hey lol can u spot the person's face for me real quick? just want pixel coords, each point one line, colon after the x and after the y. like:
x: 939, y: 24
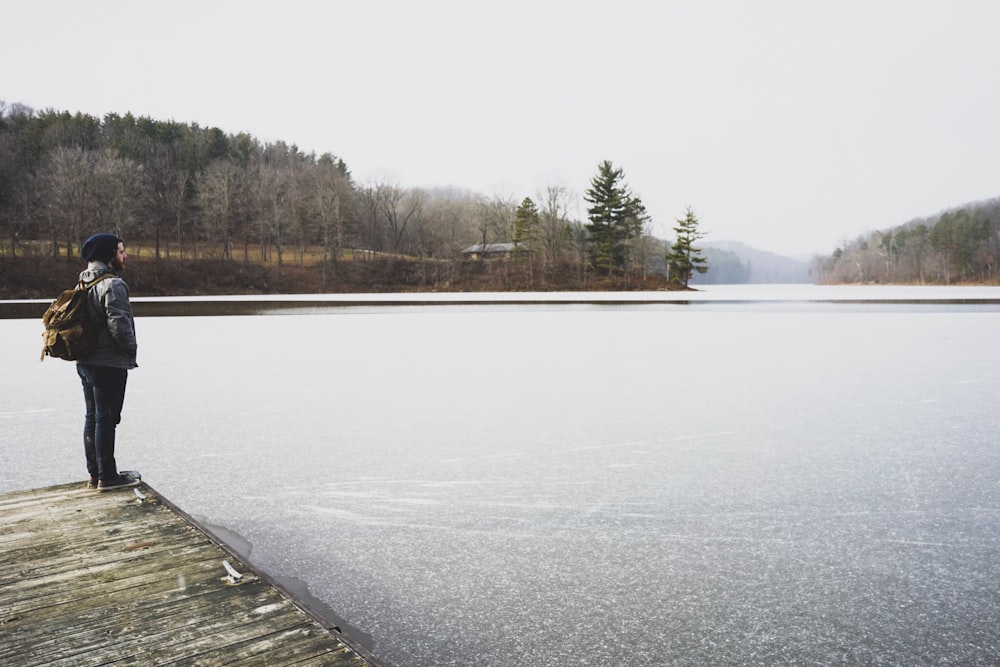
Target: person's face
x: 118, y: 261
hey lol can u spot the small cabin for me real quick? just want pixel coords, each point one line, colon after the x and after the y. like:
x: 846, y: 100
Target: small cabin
x: 490, y: 251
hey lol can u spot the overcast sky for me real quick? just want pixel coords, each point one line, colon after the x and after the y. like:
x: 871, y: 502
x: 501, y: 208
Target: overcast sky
x: 790, y: 125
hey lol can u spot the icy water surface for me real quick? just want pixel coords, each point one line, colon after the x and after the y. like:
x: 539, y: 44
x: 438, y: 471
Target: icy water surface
x: 740, y: 484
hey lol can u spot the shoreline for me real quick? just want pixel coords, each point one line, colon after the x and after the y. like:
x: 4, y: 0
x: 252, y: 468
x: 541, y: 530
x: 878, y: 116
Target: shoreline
x: 791, y: 295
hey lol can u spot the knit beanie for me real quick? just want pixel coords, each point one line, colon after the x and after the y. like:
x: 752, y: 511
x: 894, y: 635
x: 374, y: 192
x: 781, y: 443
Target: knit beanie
x: 101, y: 247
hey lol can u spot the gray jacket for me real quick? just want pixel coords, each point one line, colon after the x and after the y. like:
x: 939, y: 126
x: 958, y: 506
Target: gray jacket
x: 108, y: 302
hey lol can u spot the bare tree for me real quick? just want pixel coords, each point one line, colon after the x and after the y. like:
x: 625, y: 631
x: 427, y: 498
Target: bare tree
x: 331, y: 198
x: 89, y: 190
x: 496, y: 220
x: 449, y: 222
x: 554, y: 222
x: 18, y: 193
x: 219, y: 192
x: 68, y: 195
x: 121, y: 187
x: 275, y: 217
x: 370, y: 199
x: 167, y: 186
x: 399, y: 208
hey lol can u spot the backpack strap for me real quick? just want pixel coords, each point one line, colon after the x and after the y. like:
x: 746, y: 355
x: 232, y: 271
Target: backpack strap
x: 82, y: 285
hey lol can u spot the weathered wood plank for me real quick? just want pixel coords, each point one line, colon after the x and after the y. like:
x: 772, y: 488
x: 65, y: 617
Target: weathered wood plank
x: 266, y: 651
x: 173, y: 641
x: 78, y: 626
x: 52, y: 612
x: 110, y: 577
x: 89, y: 578
x: 25, y: 563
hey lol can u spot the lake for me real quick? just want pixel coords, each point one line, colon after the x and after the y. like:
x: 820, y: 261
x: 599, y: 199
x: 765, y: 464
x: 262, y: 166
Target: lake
x: 749, y: 476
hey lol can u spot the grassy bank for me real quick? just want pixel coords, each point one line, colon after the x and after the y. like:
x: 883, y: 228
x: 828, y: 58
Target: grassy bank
x: 43, y: 277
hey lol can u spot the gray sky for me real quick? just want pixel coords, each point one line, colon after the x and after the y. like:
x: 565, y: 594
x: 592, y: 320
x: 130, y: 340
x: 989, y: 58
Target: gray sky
x: 790, y: 125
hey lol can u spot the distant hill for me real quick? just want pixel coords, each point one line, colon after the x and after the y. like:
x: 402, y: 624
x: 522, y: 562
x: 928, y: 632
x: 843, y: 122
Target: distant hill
x: 960, y: 245
x: 734, y: 263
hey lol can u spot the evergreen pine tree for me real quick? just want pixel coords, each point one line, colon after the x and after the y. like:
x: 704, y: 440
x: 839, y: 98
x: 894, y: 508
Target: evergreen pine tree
x: 526, y: 223
x: 683, y: 258
x: 615, y: 217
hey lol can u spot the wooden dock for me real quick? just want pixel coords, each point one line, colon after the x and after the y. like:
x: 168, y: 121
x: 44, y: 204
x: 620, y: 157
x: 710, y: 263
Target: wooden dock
x: 90, y: 578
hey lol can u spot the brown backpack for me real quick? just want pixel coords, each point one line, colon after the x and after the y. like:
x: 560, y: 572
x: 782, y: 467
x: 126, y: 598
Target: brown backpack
x: 69, y: 334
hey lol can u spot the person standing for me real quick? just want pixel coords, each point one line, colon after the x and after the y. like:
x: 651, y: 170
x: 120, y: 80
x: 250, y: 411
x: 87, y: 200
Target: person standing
x: 104, y: 373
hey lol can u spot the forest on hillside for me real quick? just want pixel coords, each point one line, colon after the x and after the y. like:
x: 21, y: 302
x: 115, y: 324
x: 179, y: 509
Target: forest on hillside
x: 179, y: 191
x: 182, y: 192
x: 961, y: 245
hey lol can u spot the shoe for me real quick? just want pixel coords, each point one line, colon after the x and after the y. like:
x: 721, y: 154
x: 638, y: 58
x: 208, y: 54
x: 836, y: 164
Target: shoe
x: 124, y: 481
x: 92, y: 484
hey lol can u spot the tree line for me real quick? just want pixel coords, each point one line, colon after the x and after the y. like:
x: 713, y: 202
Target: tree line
x: 186, y: 191
x: 961, y: 245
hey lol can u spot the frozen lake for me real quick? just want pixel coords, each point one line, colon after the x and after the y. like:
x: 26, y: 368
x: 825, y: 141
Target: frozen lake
x: 766, y: 476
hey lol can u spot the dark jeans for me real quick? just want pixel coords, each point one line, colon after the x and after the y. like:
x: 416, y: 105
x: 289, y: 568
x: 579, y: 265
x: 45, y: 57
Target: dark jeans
x: 104, y: 392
